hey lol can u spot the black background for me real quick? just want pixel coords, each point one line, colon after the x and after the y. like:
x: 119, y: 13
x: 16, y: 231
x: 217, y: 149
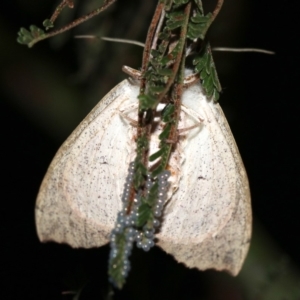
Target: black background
x: 260, y: 99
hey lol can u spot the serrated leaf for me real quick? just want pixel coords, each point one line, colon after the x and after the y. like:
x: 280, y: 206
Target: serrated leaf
x: 48, y: 24
x: 144, y: 213
x: 27, y: 37
x: 158, y: 170
x: 200, y: 19
x: 156, y: 89
x: 215, y: 78
x: 175, y: 15
x: 167, y: 112
x: 201, y: 64
x: 152, y: 196
x: 178, y: 3
x: 165, y: 35
x: 165, y: 72
x: 199, y: 6
x: 208, y: 63
x: 146, y: 101
x: 156, y: 155
x: 171, y: 25
x: 208, y: 86
x: 155, y: 53
x: 165, y: 133
x: 215, y: 95
x: 196, y: 31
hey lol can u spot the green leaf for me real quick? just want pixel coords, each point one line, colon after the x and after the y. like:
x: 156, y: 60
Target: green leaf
x: 201, y: 63
x: 175, y: 15
x: 215, y: 78
x: 156, y: 89
x: 158, y: 170
x: 168, y: 112
x: 156, y: 155
x: 155, y: 53
x: 165, y: 133
x: 152, y: 196
x: 196, y: 31
x: 29, y: 37
x: 178, y: 3
x: 117, y: 263
x: 165, y: 72
x: 216, y: 95
x: 165, y: 35
x: 48, y: 24
x: 144, y: 213
x: 204, y: 65
x: 200, y: 19
x: 147, y: 101
x: 199, y: 6
x: 171, y: 25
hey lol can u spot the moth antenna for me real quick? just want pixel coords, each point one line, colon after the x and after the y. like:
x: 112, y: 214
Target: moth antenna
x: 125, y: 41
x: 132, y: 122
x: 243, y: 50
x: 108, y: 39
x: 132, y: 42
x: 86, y: 36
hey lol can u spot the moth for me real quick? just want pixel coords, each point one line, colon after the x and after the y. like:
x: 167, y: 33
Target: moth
x: 206, y: 220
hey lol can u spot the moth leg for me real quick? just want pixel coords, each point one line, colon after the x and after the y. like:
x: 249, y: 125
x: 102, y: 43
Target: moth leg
x: 190, y: 80
x: 182, y: 130
x: 132, y: 122
x: 125, y: 114
x: 191, y: 113
x: 196, y: 119
x: 135, y: 74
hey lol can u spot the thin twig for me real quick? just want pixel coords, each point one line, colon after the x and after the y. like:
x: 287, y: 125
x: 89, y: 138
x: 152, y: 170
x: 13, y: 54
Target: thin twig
x: 60, y: 7
x: 150, y: 35
x: 217, y: 10
x: 74, y: 23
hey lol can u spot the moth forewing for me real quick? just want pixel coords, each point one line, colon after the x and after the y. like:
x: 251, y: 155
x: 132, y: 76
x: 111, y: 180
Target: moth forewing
x: 207, y: 223
x: 79, y: 197
x: 207, y: 218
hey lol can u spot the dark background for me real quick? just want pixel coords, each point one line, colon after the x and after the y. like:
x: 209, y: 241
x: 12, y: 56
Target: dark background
x: 45, y: 92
